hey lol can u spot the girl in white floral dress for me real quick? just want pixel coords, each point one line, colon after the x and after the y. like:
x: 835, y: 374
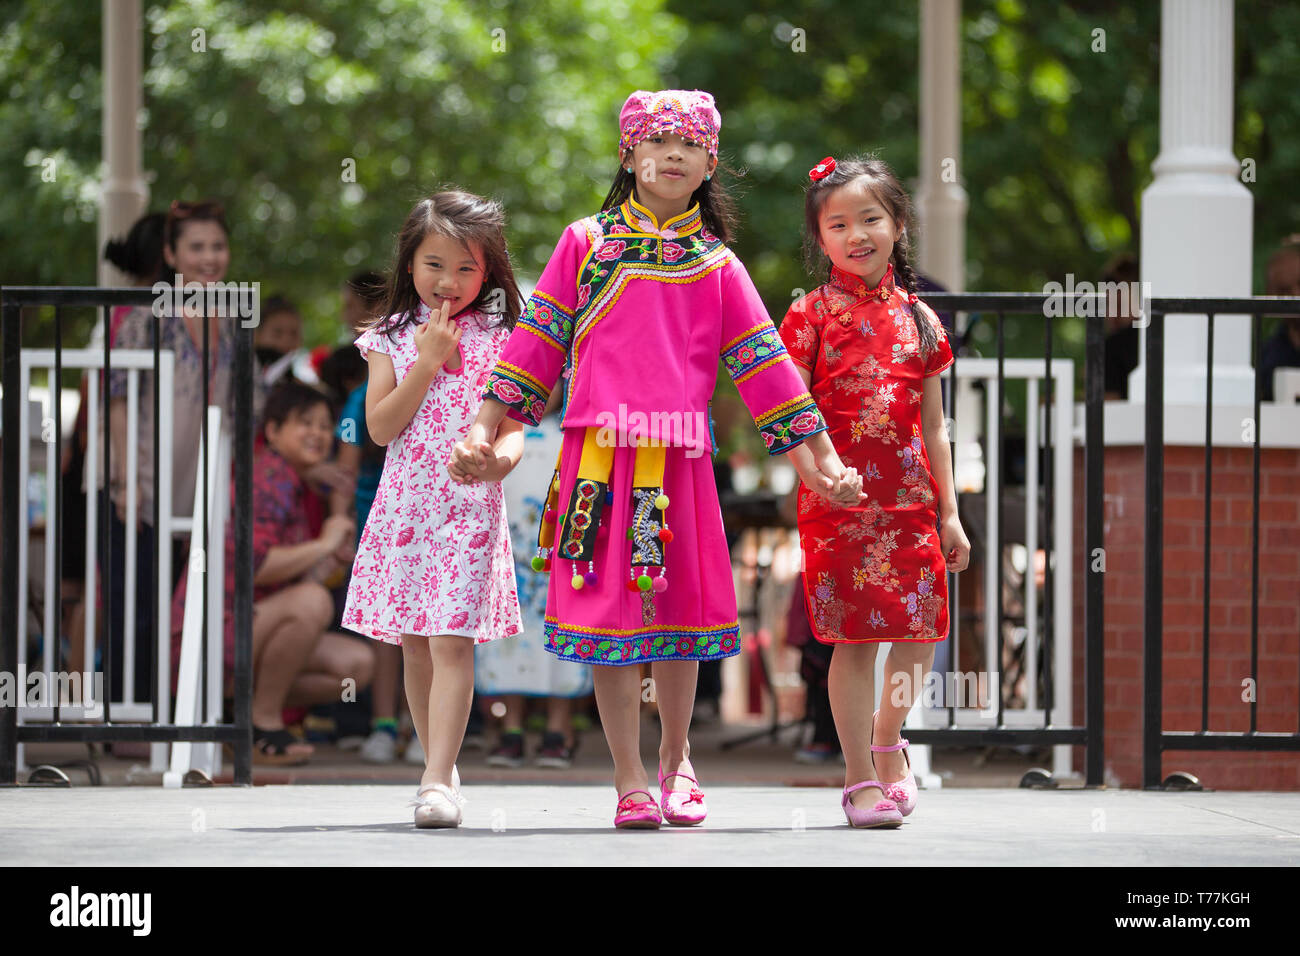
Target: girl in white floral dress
x: 434, y: 571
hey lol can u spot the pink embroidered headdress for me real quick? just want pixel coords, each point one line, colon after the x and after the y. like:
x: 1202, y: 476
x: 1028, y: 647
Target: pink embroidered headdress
x: 688, y: 113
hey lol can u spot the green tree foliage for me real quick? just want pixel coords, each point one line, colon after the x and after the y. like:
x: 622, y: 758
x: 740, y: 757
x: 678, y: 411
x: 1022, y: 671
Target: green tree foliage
x: 265, y: 108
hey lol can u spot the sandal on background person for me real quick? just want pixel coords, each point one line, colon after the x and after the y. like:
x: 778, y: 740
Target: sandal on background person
x: 279, y: 748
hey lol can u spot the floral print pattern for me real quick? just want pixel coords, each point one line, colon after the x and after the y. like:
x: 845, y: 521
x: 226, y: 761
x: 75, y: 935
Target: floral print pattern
x: 435, y: 556
x: 874, y: 571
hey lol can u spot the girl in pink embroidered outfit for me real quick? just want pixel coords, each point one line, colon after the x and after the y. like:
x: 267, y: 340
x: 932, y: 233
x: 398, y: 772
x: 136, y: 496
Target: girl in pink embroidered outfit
x: 640, y: 302
x: 434, y: 571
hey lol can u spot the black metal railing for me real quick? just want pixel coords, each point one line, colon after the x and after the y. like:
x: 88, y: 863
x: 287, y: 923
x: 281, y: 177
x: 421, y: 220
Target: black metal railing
x: 237, y: 733
x: 1155, y: 739
x: 1054, y: 730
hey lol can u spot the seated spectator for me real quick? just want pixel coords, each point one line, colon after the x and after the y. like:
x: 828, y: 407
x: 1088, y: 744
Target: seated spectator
x: 297, y: 661
x: 1282, y: 348
x: 277, y: 340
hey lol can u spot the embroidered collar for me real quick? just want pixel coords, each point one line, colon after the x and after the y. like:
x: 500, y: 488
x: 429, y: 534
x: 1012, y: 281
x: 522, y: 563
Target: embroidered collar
x: 855, y: 285
x: 641, y: 219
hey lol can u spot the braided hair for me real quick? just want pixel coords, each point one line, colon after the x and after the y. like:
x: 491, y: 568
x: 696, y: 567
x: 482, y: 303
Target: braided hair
x: 889, y: 192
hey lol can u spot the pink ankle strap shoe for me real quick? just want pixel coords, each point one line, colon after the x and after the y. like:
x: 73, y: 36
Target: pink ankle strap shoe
x: 902, y: 792
x: 681, y: 807
x: 883, y: 816
x: 637, y: 814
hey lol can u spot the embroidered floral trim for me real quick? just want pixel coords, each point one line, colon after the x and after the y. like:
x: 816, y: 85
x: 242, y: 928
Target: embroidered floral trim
x: 756, y: 351
x: 518, y: 391
x: 549, y: 320
x: 793, y: 426
x: 704, y: 644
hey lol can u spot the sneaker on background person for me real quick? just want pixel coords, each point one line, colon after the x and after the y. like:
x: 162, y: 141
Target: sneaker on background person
x: 509, y: 752
x: 555, y: 752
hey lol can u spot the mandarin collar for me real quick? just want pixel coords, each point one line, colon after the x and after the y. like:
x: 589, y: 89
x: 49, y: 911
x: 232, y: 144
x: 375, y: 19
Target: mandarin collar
x: 855, y: 284
x: 642, y: 219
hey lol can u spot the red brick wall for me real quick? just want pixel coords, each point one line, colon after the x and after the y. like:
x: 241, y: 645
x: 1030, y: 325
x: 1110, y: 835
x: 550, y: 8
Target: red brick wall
x: 1229, y: 636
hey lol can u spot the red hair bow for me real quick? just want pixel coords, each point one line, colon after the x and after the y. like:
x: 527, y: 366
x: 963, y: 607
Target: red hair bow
x: 822, y: 169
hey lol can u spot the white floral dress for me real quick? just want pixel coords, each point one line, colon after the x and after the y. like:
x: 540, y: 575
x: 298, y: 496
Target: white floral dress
x: 435, y: 556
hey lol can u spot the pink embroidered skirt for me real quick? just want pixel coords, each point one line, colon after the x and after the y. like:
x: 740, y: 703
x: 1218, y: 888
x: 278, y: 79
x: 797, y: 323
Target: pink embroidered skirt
x: 694, y: 617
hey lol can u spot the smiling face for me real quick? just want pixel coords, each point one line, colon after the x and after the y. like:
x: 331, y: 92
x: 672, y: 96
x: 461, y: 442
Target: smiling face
x: 303, y: 439
x: 202, y: 252
x: 856, y: 231
x: 668, y: 169
x: 444, y: 270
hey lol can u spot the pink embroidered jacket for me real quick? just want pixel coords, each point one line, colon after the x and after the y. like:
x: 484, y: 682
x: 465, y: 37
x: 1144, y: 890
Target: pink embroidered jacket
x: 645, y: 311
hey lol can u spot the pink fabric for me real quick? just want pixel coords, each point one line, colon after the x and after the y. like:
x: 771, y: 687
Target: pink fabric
x: 690, y: 114
x: 666, y: 366
x: 435, y: 556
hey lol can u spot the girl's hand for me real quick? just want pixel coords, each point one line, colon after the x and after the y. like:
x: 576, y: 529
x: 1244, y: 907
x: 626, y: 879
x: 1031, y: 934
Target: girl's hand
x: 952, y: 540
x: 848, y: 489
x: 437, y: 340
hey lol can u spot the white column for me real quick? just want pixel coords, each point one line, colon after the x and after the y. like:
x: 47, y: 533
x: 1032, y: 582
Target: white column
x: 940, y: 199
x: 1197, y: 215
x: 125, y: 194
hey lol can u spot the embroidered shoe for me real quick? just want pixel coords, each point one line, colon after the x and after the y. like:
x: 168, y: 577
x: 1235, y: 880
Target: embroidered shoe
x: 683, y: 808
x: 902, y: 792
x: 883, y: 815
x: 637, y: 814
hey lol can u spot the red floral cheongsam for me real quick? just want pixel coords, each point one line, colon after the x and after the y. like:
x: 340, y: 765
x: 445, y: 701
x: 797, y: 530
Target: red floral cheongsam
x: 874, y: 571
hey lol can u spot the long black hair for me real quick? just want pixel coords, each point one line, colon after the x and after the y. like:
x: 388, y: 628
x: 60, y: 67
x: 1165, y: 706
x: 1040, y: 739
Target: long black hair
x: 140, y: 252
x: 890, y: 193
x: 467, y: 219
x: 717, y: 208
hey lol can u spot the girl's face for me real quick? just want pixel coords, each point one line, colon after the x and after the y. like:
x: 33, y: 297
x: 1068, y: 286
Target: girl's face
x: 669, y: 168
x: 303, y: 439
x: 857, y: 232
x: 202, y: 253
x: 443, y: 270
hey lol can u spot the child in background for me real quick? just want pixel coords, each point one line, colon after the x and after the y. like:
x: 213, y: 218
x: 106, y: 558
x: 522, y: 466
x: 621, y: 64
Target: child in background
x: 521, y: 669
x: 434, y: 570
x: 876, y: 572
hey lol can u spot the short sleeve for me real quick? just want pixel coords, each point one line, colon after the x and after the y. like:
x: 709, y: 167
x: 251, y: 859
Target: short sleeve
x: 801, y: 334
x: 273, y: 499
x: 372, y: 339
x: 134, y: 331
x: 941, y: 357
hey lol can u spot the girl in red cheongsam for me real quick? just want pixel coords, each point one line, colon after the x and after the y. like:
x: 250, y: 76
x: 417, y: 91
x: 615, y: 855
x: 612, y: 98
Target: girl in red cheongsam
x: 875, y: 572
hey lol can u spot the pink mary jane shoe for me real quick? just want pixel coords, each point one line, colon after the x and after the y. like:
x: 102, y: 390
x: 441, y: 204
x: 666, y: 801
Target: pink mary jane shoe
x: 683, y: 808
x: 902, y: 792
x: 637, y: 814
x: 883, y: 816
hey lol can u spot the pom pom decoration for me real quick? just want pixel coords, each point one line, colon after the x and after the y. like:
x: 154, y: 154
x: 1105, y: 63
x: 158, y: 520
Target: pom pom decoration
x: 661, y: 584
x: 644, y: 582
x: 538, y: 563
x: 661, y: 502
x: 577, y: 582
x: 666, y: 536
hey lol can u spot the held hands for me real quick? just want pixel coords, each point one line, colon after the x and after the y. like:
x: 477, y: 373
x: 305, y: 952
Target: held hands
x: 473, y: 459
x: 953, y: 543
x: 437, y: 340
